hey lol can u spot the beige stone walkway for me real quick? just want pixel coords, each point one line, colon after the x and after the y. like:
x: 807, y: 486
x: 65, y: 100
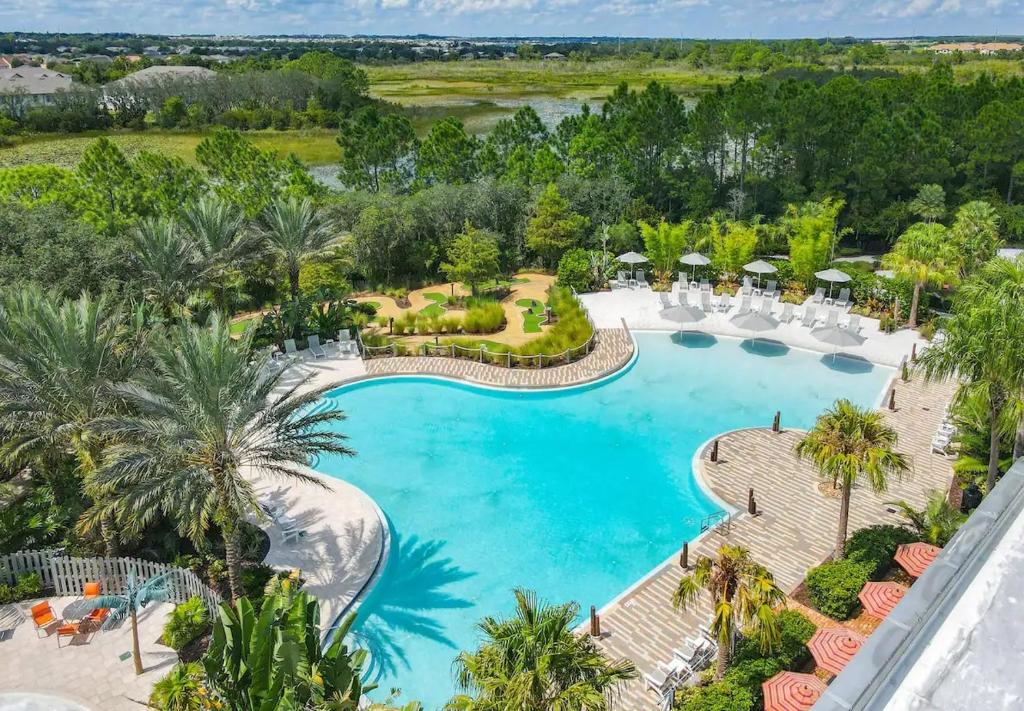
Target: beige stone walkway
x: 613, y: 350
x: 795, y: 530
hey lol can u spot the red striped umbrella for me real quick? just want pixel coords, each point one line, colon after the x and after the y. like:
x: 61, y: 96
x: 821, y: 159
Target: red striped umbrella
x: 789, y: 691
x: 916, y: 557
x: 834, y: 647
x: 878, y: 599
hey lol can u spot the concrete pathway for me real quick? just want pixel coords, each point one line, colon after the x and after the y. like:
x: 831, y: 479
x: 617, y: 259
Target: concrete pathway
x: 794, y: 531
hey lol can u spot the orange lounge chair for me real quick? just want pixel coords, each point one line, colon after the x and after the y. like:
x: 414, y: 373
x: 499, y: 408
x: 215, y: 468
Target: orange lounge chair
x: 98, y: 615
x: 42, y: 615
x: 90, y: 590
x: 71, y: 630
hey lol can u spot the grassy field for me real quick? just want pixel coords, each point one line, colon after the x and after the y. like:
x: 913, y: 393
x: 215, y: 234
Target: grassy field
x: 314, y: 147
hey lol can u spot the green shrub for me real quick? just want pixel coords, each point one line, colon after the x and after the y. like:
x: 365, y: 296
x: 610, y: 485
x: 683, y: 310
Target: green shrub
x: 28, y: 586
x: 834, y: 586
x: 180, y: 690
x: 484, y: 318
x: 875, y: 547
x: 255, y: 578
x: 574, y: 271
x: 794, y: 631
x: 721, y: 695
x: 186, y: 622
x: 750, y: 674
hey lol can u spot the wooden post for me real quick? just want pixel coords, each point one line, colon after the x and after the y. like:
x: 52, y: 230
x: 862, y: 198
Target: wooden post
x: 595, y: 622
x: 684, y: 557
x: 391, y: 326
x: 904, y: 373
x: 777, y: 422
x: 913, y: 353
x: 751, y: 504
x: 714, y: 451
x: 892, y: 400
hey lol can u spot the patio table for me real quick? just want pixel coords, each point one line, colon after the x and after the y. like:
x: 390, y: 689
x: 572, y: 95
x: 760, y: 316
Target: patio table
x: 77, y: 610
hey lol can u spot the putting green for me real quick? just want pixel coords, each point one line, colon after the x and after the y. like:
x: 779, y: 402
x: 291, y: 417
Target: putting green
x: 532, y: 316
x: 436, y: 308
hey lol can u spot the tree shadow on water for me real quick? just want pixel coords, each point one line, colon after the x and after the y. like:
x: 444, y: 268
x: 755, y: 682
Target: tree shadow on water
x: 402, y: 603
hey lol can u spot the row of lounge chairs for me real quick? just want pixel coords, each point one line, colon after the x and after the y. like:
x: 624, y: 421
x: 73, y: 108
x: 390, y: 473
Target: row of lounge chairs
x: 810, y: 317
x: 841, y: 301
x: 770, y: 290
x: 944, y: 434
x: 345, y: 344
x: 638, y: 280
x: 687, y: 661
x: 290, y: 531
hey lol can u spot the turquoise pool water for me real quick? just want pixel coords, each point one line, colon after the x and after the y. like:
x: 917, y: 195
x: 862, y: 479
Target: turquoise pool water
x: 576, y: 494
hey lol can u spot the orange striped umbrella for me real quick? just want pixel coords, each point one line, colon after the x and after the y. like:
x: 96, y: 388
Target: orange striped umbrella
x: 916, y: 557
x: 834, y: 647
x: 789, y: 691
x: 878, y: 599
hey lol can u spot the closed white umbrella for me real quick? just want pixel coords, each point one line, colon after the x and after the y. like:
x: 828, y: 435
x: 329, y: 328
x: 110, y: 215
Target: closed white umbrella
x: 833, y: 276
x: 694, y: 259
x: 760, y: 267
x: 632, y: 259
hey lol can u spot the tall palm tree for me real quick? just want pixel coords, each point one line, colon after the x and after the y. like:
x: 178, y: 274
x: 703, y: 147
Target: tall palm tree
x: 848, y: 443
x: 216, y: 228
x: 744, y: 595
x: 984, y: 346
x: 533, y: 660
x: 925, y: 255
x: 168, y: 264
x: 208, y: 414
x: 976, y: 231
x: 135, y: 595
x: 295, y: 230
x: 59, y: 361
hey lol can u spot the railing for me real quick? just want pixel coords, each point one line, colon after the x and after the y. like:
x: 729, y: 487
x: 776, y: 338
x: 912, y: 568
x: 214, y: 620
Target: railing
x: 717, y: 520
x: 67, y: 575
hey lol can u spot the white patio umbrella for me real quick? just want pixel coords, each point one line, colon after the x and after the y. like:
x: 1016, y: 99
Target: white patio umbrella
x: 632, y: 259
x: 833, y: 276
x: 754, y: 321
x: 837, y: 337
x: 694, y: 259
x: 760, y: 267
x: 684, y: 313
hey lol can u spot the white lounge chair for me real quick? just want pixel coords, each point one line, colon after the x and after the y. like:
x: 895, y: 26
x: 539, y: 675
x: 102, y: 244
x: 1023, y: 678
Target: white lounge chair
x: 744, y: 306
x: 290, y: 351
x: 621, y: 281
x: 705, y: 302
x: 809, y: 317
x: 346, y: 344
x: 666, y: 677
x: 705, y: 285
x: 843, y: 300
x: 641, y: 280
x: 290, y: 530
x: 724, y: 302
x: 787, y: 313
x: 853, y: 323
x: 832, y: 319
x: 666, y: 301
x: 315, y: 348
x: 940, y: 444
x: 747, y: 288
x: 819, y: 296
x: 770, y: 291
x: 766, y: 306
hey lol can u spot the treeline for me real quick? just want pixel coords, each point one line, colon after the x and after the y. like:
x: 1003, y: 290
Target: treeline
x: 748, y: 149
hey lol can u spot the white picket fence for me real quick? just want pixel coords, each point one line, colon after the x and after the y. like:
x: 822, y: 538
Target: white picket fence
x: 66, y: 575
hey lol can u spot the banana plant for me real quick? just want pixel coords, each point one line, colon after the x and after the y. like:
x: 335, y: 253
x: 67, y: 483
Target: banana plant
x: 273, y: 661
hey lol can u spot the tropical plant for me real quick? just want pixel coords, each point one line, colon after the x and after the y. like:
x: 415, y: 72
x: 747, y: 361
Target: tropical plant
x: 984, y: 347
x: 275, y: 661
x: 58, y: 362
x: 222, y: 244
x: 167, y: 264
x: 733, y: 245
x: 936, y: 522
x: 930, y: 203
x: 849, y: 443
x: 294, y: 231
x: 743, y: 594
x: 812, y: 232
x: 976, y: 231
x: 185, y: 623
x: 533, y: 660
x: 135, y: 596
x: 203, y: 415
x: 664, y: 245
x: 925, y: 255
x: 181, y: 690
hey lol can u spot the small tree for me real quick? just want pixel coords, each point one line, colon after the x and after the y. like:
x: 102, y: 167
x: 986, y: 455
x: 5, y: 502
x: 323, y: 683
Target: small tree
x: 732, y: 246
x: 930, y: 203
x: 664, y: 245
x: 812, y: 234
x: 554, y: 227
x: 743, y: 595
x: 925, y: 255
x: 136, y: 596
x: 576, y: 270
x: 473, y: 257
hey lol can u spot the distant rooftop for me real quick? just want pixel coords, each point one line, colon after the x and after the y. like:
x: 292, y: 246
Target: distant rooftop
x: 956, y: 640
x: 32, y: 80
x: 159, y: 72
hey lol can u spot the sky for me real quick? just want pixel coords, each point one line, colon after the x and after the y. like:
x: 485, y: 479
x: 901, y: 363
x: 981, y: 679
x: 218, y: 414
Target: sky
x: 645, y: 18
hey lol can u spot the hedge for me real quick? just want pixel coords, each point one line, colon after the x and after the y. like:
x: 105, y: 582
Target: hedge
x: 724, y: 695
x: 834, y: 586
x: 875, y: 547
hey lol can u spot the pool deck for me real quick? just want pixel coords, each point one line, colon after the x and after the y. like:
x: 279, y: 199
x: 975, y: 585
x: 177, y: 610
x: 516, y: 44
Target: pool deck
x: 793, y: 531
x: 640, y: 309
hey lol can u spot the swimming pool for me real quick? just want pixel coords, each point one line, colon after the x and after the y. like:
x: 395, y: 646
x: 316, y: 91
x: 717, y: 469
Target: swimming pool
x: 576, y: 494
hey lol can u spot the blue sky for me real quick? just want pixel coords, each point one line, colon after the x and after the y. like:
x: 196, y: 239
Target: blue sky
x: 669, y: 18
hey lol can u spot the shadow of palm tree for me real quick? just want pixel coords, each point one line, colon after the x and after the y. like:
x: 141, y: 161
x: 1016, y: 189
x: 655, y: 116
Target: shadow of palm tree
x: 401, y: 604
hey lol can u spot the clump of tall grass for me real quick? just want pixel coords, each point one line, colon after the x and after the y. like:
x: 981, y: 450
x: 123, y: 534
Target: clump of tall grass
x: 485, y: 317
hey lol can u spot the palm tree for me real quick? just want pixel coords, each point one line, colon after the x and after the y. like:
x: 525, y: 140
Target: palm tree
x: 936, y: 522
x: 295, y: 231
x: 744, y: 596
x: 216, y: 230
x: 167, y: 262
x: 847, y: 443
x: 208, y: 414
x: 984, y: 347
x: 533, y: 660
x: 925, y: 255
x: 136, y: 595
x: 58, y: 363
x: 930, y: 203
x: 976, y: 231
